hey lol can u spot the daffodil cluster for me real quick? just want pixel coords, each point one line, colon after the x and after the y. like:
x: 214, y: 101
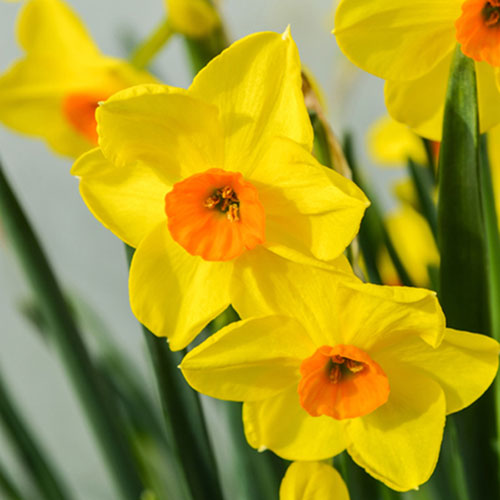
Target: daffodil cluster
x: 217, y: 190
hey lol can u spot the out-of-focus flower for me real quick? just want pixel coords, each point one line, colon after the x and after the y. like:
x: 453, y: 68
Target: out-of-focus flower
x: 52, y: 93
x: 312, y: 481
x: 391, y: 143
x: 329, y: 365
x: 193, y: 18
x: 410, y: 44
x: 214, y: 182
x: 415, y: 245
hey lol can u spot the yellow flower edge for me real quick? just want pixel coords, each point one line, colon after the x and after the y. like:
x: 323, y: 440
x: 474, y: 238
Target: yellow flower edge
x: 259, y: 361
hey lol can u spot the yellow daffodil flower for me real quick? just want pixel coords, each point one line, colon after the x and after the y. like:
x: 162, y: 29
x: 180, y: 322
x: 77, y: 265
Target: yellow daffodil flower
x: 329, y: 365
x: 208, y: 182
x: 414, y: 244
x: 410, y: 44
x: 193, y: 18
x: 312, y: 481
x: 391, y: 143
x: 52, y: 93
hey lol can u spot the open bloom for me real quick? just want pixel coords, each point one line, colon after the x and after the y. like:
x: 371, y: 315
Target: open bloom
x: 331, y: 364
x: 410, y: 44
x: 312, y: 481
x: 52, y: 93
x: 208, y: 182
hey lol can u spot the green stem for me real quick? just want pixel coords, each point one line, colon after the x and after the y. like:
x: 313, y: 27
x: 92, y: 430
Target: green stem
x: 463, y: 277
x: 67, y: 338
x: 149, y: 48
x: 31, y: 455
x: 7, y: 486
x: 184, y: 419
x: 424, y: 187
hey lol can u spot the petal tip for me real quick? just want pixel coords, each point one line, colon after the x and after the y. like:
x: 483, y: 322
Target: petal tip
x: 287, y: 34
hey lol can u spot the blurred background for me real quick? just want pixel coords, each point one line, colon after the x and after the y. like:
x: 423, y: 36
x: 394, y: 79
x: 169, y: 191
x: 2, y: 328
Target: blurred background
x: 88, y: 259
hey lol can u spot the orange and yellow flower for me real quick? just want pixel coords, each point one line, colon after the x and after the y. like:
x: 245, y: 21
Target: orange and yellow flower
x: 215, y: 181
x: 53, y: 92
x: 193, y: 18
x: 324, y: 364
x: 410, y: 44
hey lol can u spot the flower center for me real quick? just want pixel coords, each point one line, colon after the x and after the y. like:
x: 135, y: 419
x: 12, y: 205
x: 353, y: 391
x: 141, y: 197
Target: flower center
x: 491, y: 13
x: 215, y: 214
x: 478, y: 30
x: 226, y: 201
x: 342, y: 382
x: 79, y: 110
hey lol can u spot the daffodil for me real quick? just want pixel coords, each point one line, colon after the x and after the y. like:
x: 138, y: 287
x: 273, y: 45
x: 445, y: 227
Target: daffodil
x: 53, y: 91
x: 312, y: 481
x: 415, y: 245
x: 410, y: 44
x: 193, y: 18
x: 214, y: 182
x: 323, y: 364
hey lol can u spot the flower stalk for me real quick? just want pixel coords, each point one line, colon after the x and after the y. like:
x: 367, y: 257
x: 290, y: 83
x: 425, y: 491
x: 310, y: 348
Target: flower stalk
x: 66, y: 336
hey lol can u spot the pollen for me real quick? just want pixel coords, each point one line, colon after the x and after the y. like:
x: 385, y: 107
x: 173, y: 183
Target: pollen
x: 215, y: 214
x: 478, y: 30
x: 341, y: 382
x: 226, y: 201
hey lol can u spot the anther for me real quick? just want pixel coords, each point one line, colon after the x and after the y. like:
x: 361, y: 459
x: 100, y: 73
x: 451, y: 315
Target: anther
x: 226, y: 201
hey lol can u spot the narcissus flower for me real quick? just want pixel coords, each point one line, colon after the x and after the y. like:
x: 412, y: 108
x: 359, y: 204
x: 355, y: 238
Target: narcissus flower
x: 52, y: 93
x: 208, y: 182
x: 330, y: 365
x: 193, y: 18
x: 410, y: 44
x: 312, y: 481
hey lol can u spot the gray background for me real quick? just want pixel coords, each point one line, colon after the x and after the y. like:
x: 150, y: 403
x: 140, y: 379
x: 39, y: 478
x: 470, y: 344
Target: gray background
x: 87, y: 258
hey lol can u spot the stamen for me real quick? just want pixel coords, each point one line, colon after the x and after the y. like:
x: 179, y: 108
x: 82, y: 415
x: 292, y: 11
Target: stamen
x: 226, y: 200
x: 491, y: 13
x: 339, y: 367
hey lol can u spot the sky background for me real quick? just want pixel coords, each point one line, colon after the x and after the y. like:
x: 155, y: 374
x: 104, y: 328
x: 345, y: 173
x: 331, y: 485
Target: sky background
x: 88, y: 259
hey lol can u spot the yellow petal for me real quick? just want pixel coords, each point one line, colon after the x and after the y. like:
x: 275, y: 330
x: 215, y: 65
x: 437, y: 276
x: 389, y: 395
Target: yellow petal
x: 267, y: 284
x: 419, y: 103
x: 161, y: 127
x: 193, y: 18
x: 373, y: 317
x: 464, y: 364
x: 129, y: 201
x: 391, y: 143
x: 396, y: 39
x: 249, y: 360
x: 257, y: 86
x: 172, y: 293
x: 494, y: 156
x: 312, y: 481
x: 488, y: 94
x: 308, y: 207
x: 399, y: 442
x: 280, y: 424
x: 50, y: 27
